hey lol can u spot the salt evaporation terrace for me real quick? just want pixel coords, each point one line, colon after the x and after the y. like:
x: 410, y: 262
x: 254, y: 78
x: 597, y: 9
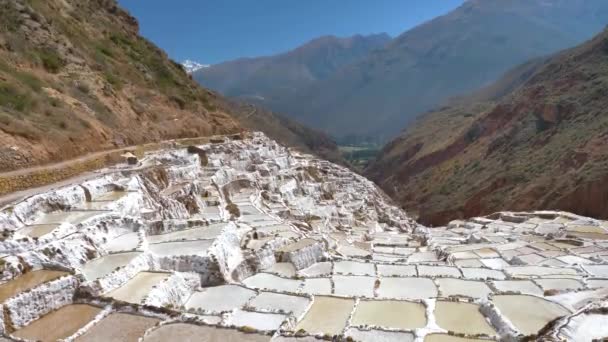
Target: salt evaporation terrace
x: 244, y: 240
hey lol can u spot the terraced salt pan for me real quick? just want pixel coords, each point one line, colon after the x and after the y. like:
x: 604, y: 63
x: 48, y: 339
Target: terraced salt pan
x: 284, y: 269
x: 468, y: 263
x: 522, y: 286
x: 482, y: 273
x: 256, y: 320
x: 537, y: 271
x: 101, y: 267
x: 559, y: 284
x: 597, y: 283
x: 327, y: 315
x: 374, y: 335
x: 420, y: 257
x: 586, y: 327
x: 119, y: 327
x: 201, y: 233
x: 407, y: 288
x: 449, y: 338
x: 125, y: 242
x: 461, y: 318
x: 38, y: 230
x: 317, y: 286
x: 397, y: 270
x: 354, y: 286
x: 195, y: 247
x: 276, y: 301
x: 26, y: 282
x: 528, y: 313
x: 352, y: 251
x: 577, y: 300
x: 272, y: 282
x: 459, y: 287
x: 354, y: 268
x: 73, y: 217
x: 315, y: 270
x: 136, y: 289
x: 390, y: 314
x: 438, y: 271
x: 597, y: 270
x: 58, y: 324
x: 220, y: 298
x: 195, y: 333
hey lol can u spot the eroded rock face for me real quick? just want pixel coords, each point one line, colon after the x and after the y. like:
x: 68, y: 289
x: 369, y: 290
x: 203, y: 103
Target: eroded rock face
x: 266, y: 239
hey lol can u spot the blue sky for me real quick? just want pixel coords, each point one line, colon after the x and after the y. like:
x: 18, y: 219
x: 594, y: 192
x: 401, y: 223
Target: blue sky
x: 214, y: 31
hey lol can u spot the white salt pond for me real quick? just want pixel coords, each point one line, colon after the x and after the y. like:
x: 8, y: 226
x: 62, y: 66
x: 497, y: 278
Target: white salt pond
x: 272, y: 282
x: 559, y: 284
x: 466, y: 288
x: 482, y: 273
x: 220, y: 298
x: 200, y: 233
x: 449, y: 338
x: 355, y: 286
x: 354, y: 268
x: 390, y: 314
x: 256, y: 320
x: 586, y: 327
x: 462, y: 318
x: 317, y: 286
x: 284, y: 269
x: 327, y: 315
x: 528, y: 313
x: 374, y: 335
x: 195, y: 247
x: 124, y: 242
x: 100, y: 267
x: 138, y: 287
x: 315, y: 270
x: 438, y: 271
x: 407, y: 288
x: 276, y: 301
x: 522, y: 286
x: 397, y: 270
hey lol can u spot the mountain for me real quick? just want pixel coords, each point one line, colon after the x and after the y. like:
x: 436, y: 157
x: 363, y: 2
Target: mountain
x: 453, y: 54
x: 269, y: 79
x: 192, y: 66
x: 76, y: 77
x: 535, y: 139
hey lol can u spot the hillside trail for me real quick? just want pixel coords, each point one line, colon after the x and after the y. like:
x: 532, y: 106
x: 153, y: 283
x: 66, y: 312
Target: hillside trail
x: 22, y: 194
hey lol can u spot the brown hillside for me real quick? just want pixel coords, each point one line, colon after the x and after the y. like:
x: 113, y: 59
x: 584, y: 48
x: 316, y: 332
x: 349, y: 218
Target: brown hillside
x: 76, y: 77
x: 542, y: 145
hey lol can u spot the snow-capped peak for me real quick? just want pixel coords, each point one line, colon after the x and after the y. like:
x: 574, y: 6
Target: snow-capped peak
x: 192, y: 66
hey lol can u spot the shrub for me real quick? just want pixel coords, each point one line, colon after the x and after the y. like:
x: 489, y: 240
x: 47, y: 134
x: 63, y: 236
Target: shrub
x: 51, y: 61
x: 11, y: 98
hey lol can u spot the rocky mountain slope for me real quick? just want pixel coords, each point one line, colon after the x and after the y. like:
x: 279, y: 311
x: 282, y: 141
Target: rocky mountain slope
x: 267, y: 80
x: 76, y: 77
x: 540, y: 145
x: 450, y: 55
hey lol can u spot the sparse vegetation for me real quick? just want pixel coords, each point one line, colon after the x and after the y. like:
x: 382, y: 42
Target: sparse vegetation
x: 51, y: 61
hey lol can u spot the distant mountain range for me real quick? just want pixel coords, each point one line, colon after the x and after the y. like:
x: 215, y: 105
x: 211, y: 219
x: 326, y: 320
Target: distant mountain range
x: 536, y: 139
x: 269, y: 80
x: 368, y: 86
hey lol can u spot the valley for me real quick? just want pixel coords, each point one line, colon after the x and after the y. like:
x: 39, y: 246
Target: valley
x: 448, y: 183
